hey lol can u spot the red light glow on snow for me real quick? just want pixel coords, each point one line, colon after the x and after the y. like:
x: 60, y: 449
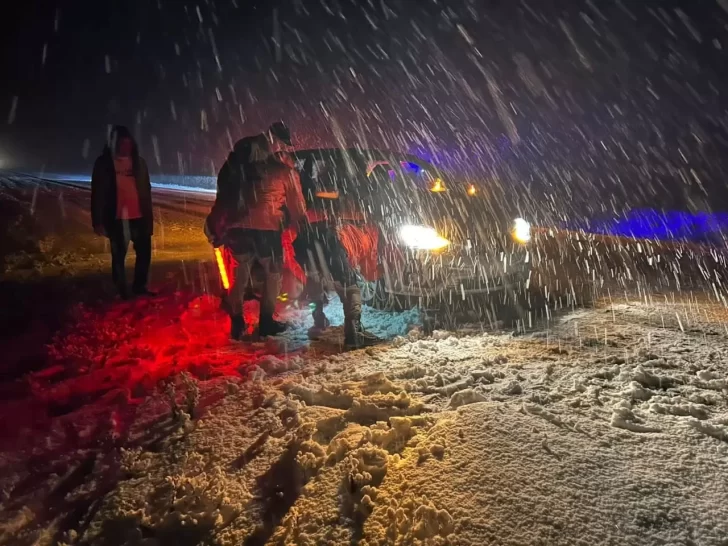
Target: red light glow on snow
x: 114, y: 356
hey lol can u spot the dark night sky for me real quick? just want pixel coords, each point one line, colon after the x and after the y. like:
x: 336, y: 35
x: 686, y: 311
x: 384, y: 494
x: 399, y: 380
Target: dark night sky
x: 623, y: 98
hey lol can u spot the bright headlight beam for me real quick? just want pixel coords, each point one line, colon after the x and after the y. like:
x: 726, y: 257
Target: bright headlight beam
x: 521, y: 230
x: 422, y: 238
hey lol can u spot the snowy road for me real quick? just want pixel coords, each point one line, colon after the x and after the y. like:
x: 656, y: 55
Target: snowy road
x: 608, y: 426
x: 143, y: 424
x: 166, y: 196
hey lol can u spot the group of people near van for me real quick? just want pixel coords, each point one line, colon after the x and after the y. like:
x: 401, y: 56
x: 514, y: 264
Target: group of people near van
x: 259, y: 193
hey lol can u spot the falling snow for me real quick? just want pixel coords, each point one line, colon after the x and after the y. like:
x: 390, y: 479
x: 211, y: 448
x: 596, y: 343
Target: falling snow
x: 585, y: 421
x: 13, y: 110
x: 586, y: 405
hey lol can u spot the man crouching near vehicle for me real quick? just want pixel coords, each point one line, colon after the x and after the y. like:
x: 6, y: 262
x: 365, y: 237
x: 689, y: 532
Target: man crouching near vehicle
x: 253, y: 186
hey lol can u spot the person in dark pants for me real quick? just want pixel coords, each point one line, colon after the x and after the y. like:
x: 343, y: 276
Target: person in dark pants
x: 121, y: 208
x: 321, y: 254
x: 254, y: 184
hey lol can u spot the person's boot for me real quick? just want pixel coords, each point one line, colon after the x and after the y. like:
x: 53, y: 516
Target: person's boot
x: 225, y: 303
x: 143, y: 291
x: 237, y: 327
x: 319, y: 318
x: 356, y: 337
x: 123, y: 293
x: 270, y: 327
x: 320, y: 321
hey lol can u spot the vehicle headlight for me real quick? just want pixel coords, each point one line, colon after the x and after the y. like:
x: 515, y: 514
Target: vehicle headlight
x: 422, y: 238
x: 521, y: 230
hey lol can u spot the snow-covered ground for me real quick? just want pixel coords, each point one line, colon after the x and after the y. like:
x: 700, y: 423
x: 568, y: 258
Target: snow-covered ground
x: 144, y: 425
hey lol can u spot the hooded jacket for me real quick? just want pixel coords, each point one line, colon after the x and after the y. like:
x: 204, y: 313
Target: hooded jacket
x: 253, y: 186
x: 103, y: 188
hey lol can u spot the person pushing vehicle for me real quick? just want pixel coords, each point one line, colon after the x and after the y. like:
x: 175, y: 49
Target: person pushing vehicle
x: 254, y: 184
x: 320, y: 253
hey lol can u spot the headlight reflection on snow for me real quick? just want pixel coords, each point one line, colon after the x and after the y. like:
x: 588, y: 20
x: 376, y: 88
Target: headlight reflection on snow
x: 422, y: 238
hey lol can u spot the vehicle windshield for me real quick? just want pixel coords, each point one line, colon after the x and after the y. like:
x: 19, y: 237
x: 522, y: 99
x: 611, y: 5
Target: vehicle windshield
x: 418, y: 175
x: 407, y: 174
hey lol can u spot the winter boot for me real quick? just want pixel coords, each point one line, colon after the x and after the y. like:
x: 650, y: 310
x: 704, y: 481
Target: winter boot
x: 225, y: 305
x: 143, y: 291
x: 320, y: 322
x: 271, y: 289
x: 124, y: 293
x: 355, y: 337
x: 319, y: 318
x: 270, y: 327
x: 237, y: 327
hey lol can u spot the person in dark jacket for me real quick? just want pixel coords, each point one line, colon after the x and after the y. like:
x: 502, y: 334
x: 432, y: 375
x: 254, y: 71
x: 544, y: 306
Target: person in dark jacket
x: 253, y: 186
x: 321, y: 254
x: 240, y: 173
x: 121, y: 208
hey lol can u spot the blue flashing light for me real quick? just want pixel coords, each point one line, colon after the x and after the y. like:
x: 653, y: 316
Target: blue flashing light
x: 660, y: 226
x: 411, y: 167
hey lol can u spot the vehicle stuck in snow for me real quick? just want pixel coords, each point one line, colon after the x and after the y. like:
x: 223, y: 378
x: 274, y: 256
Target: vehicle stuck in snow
x: 418, y: 237
x: 436, y: 240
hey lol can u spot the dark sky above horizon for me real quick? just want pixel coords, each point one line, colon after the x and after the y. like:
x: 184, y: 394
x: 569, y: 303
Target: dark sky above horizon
x: 624, y: 98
